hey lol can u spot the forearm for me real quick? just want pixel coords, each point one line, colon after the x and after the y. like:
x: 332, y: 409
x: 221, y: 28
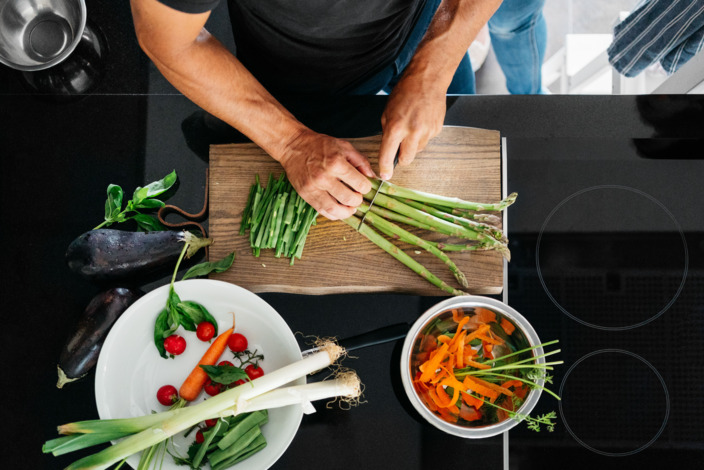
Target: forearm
x: 210, y: 76
x: 451, y: 32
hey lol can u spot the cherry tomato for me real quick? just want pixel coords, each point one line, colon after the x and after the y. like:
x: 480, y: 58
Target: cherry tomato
x: 199, y: 437
x: 236, y: 383
x: 167, y: 395
x: 205, y: 331
x: 253, y: 372
x: 226, y: 363
x: 212, y: 388
x: 175, y: 345
x: 237, y: 342
x: 211, y: 422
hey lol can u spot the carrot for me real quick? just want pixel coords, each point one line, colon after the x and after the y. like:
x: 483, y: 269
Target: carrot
x: 429, y: 367
x: 492, y: 386
x: 484, y: 315
x: 512, y: 383
x: 476, y: 365
x: 475, y: 386
x: 471, y: 400
x: 196, y: 379
x: 507, y: 326
x: 483, y: 328
x: 489, y: 339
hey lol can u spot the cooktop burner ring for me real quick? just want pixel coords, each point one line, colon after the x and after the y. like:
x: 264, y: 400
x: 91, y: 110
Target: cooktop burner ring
x: 576, y: 317
x: 592, y: 448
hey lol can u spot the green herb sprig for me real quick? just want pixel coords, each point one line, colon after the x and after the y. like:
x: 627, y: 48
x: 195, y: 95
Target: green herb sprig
x: 188, y: 313
x: 144, y: 199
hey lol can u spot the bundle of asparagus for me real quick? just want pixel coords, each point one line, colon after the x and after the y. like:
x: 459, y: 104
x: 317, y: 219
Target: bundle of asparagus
x: 277, y: 218
x: 469, y: 221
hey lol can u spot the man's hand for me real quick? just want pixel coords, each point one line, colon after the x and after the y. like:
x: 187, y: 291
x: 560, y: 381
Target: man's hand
x: 328, y: 173
x: 416, y: 109
x: 414, y: 114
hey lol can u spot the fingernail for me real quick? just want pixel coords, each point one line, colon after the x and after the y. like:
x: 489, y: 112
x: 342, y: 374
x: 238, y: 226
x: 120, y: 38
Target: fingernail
x: 385, y: 176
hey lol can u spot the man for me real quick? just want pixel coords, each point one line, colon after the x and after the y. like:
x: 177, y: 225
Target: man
x: 324, y: 46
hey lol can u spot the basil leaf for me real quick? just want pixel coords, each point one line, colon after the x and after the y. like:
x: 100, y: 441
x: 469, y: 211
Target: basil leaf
x: 148, y: 223
x: 160, y: 327
x: 173, y: 299
x: 225, y: 374
x: 197, y: 313
x: 150, y: 204
x: 156, y: 188
x: 186, y: 321
x: 206, y: 268
x: 113, y: 204
x: 192, y: 310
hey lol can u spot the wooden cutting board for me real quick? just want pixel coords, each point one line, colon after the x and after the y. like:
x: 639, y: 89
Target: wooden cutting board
x: 461, y: 162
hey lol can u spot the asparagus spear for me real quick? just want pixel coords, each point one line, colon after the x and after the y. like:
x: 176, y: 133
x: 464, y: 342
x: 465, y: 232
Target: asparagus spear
x: 391, y: 189
x: 399, y: 254
x: 493, y: 232
x: 440, y: 225
x: 393, y: 230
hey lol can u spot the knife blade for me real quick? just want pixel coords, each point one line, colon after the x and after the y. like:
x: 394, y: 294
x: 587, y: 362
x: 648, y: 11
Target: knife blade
x: 378, y: 190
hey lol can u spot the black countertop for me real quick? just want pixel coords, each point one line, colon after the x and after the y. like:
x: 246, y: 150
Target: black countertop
x: 59, y: 155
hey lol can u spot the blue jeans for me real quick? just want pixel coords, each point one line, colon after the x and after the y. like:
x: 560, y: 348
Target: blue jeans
x: 518, y: 35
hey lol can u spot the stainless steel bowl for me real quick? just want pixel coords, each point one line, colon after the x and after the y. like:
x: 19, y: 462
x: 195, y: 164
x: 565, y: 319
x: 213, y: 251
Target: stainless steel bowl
x: 38, y: 34
x: 442, y: 310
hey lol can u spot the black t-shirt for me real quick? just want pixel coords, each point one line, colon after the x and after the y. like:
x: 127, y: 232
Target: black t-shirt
x: 322, y: 46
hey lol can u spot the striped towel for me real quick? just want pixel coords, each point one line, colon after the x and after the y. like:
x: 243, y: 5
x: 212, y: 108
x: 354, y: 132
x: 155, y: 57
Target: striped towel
x: 668, y: 31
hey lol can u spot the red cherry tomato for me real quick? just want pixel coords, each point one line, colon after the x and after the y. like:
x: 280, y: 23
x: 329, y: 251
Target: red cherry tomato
x: 199, y: 437
x: 253, y: 372
x: 175, y: 345
x: 212, y: 388
x: 237, y: 342
x: 205, y: 331
x: 226, y: 363
x: 167, y: 395
x: 211, y: 422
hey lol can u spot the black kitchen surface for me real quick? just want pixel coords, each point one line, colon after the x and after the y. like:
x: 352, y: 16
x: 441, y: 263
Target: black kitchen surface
x: 607, y: 241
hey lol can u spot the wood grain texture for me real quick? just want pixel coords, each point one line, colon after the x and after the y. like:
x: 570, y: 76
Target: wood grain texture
x: 461, y: 162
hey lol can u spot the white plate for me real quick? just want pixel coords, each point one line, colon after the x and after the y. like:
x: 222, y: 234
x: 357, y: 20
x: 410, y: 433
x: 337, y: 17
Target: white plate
x: 130, y: 370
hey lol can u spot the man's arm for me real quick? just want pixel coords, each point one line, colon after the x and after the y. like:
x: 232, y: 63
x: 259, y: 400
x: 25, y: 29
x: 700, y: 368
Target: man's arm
x: 327, y: 172
x: 415, y: 111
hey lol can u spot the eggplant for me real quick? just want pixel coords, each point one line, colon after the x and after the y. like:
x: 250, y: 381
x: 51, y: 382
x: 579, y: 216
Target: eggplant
x: 108, y: 255
x: 80, y: 353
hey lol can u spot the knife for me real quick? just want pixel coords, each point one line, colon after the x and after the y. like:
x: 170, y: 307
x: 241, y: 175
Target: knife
x: 378, y: 189
x: 370, y: 338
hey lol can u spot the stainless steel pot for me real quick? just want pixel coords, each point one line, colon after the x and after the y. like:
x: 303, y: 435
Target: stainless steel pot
x: 409, y: 364
x: 38, y: 34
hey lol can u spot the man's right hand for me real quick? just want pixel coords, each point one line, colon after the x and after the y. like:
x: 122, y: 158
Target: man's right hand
x: 327, y: 172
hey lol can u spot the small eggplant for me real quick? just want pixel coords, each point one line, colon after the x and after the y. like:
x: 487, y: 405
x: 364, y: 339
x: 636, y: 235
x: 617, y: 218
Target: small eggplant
x: 115, y: 255
x: 80, y: 353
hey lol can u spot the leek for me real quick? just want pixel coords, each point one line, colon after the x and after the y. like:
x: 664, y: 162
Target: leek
x: 262, y: 393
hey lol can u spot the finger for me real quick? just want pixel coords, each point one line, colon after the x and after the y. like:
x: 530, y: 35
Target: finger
x: 408, y: 150
x: 331, y: 209
x: 345, y: 196
x: 348, y: 174
x: 360, y: 162
x: 390, y: 143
